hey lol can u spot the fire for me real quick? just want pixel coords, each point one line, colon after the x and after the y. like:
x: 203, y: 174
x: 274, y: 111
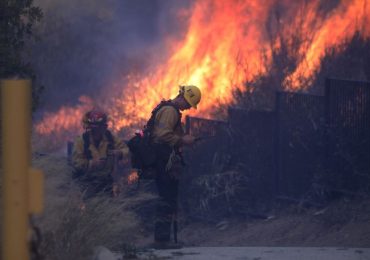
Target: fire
x: 66, y: 118
x: 226, y: 45
x: 133, y: 177
x: 340, y: 26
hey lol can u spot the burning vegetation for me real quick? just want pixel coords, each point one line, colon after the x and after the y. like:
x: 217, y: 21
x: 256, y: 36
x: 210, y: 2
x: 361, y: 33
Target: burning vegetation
x: 226, y: 48
x: 299, y: 149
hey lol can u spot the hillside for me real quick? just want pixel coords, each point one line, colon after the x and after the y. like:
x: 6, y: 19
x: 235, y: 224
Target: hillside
x: 124, y: 223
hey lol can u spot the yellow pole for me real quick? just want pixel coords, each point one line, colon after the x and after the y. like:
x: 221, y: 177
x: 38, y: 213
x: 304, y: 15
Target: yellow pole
x: 16, y: 123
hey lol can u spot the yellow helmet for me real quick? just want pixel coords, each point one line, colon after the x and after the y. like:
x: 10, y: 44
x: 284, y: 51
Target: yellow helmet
x: 191, y: 94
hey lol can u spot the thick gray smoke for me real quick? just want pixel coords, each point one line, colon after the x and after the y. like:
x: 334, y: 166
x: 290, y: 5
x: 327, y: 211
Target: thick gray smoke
x: 85, y: 45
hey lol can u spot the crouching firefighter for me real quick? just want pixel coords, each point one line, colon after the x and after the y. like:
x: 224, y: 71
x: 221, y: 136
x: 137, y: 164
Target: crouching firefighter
x: 166, y: 137
x: 96, y: 156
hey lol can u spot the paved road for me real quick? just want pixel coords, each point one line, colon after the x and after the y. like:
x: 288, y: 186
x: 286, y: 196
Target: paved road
x: 260, y: 253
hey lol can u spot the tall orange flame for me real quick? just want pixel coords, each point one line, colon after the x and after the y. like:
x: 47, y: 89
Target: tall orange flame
x: 225, y: 46
x: 338, y: 27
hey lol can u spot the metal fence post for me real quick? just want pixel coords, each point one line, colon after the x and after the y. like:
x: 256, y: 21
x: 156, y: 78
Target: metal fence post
x: 277, y: 157
x: 22, y: 187
x: 16, y: 109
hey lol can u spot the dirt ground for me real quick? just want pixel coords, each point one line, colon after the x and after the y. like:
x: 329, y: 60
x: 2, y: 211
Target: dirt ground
x: 344, y: 223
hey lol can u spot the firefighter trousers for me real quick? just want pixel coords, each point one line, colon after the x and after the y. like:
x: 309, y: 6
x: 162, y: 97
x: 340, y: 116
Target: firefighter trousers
x: 167, y: 186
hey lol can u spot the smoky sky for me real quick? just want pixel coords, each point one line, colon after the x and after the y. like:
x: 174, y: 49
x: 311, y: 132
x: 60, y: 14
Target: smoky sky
x: 84, y: 45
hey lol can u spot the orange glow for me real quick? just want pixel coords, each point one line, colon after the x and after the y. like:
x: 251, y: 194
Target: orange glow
x: 133, y: 177
x: 339, y: 26
x: 226, y: 45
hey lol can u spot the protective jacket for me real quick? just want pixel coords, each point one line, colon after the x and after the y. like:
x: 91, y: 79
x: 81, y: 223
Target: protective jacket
x: 84, y: 150
x: 167, y: 127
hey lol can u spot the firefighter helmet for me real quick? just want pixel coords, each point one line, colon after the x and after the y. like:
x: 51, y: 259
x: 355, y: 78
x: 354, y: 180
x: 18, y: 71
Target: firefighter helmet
x: 191, y: 94
x: 95, y: 118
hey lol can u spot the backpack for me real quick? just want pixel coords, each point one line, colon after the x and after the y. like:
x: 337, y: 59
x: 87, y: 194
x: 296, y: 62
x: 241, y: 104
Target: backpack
x: 146, y: 155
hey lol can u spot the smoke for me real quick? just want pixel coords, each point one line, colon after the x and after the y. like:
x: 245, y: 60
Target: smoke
x: 127, y: 55
x: 85, y: 45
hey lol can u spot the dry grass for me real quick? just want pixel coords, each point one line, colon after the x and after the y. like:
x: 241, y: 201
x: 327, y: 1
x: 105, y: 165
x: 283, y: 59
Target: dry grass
x: 221, y: 186
x: 70, y: 233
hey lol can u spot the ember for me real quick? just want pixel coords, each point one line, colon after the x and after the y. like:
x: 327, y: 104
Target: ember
x: 133, y: 177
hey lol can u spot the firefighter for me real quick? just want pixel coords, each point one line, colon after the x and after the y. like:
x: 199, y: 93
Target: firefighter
x: 168, y: 137
x: 96, y: 156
